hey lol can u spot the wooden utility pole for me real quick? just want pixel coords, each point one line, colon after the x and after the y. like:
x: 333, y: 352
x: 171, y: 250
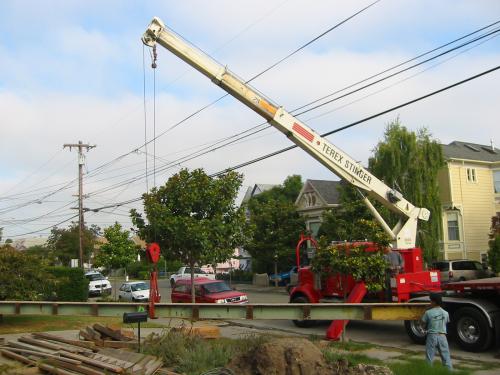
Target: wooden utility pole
x: 80, y: 146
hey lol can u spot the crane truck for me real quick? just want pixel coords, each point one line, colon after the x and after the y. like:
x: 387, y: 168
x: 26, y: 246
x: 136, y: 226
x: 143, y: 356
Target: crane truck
x: 480, y: 318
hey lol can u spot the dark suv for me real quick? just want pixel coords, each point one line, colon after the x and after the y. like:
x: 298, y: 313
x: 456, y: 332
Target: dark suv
x: 461, y: 270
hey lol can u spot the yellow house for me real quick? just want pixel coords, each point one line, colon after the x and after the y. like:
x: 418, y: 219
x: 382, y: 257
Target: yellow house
x: 470, y: 194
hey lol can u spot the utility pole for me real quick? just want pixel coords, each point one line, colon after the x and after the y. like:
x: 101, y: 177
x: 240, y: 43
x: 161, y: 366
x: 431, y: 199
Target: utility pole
x: 80, y: 146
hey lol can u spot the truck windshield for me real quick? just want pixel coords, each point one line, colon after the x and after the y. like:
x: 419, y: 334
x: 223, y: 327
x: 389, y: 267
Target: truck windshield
x: 95, y: 276
x: 216, y: 287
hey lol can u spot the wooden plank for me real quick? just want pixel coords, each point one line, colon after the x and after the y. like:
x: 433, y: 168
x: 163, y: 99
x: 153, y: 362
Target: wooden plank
x: 19, y: 345
x: 48, y: 336
x: 78, y: 368
x: 119, y: 344
x: 17, y: 357
x: 152, y: 367
x: 49, y: 345
x: 53, y: 370
x: 117, y: 335
x: 43, y: 355
x: 93, y: 362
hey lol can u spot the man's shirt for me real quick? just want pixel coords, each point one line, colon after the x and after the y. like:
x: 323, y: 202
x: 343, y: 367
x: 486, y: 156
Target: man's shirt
x: 435, y: 320
x: 394, y: 259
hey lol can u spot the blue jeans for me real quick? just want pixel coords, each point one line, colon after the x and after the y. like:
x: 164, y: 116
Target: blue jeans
x: 437, y: 341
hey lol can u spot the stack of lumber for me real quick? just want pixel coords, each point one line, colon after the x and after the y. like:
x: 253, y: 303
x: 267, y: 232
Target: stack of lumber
x: 108, y: 336
x: 57, y: 355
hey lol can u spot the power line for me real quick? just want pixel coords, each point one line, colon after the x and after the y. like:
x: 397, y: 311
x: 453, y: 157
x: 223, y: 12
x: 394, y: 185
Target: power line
x: 238, y: 166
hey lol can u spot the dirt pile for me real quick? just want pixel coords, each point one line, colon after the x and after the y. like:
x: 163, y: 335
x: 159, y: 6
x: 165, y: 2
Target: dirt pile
x: 282, y: 356
x: 295, y: 356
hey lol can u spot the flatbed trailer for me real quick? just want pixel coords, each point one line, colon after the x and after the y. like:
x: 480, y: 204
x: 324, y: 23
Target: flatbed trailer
x: 474, y: 308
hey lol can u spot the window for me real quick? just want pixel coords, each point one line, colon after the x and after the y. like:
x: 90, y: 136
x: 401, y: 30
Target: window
x: 471, y: 175
x: 441, y: 266
x: 314, y: 227
x: 453, y: 231
x: 496, y: 181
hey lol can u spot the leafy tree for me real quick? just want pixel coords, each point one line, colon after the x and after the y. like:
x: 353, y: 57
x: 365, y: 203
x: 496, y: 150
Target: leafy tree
x: 410, y: 162
x: 494, y: 251
x: 347, y: 222
x: 193, y: 218
x: 65, y: 242
x: 8, y: 241
x: 22, y: 276
x: 42, y: 252
x: 119, y: 251
x: 276, y: 226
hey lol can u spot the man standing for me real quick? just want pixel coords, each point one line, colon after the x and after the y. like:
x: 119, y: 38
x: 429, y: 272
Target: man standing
x: 435, y: 320
x: 395, y: 265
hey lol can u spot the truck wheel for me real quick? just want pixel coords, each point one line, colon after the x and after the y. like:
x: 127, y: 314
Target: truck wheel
x: 471, y: 330
x: 416, y: 331
x: 172, y: 283
x: 302, y: 323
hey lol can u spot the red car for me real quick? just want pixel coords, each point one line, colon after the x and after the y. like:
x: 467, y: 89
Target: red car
x: 207, y: 291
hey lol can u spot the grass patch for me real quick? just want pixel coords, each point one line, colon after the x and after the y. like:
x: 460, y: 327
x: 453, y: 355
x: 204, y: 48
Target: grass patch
x: 350, y: 346
x: 42, y: 323
x: 417, y: 367
x: 353, y: 358
x: 192, y: 355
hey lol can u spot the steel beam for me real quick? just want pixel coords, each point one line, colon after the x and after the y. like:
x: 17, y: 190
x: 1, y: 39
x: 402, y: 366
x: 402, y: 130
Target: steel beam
x: 201, y: 311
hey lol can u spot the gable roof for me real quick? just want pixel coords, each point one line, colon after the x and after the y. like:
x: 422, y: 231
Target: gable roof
x: 328, y: 190
x: 470, y: 151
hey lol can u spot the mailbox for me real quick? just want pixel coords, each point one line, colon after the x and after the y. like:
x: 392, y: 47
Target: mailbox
x: 135, y: 317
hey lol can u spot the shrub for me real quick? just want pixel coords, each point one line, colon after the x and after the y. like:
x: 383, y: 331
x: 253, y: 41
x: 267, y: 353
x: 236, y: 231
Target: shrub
x: 236, y: 276
x: 22, y: 276
x: 134, y: 269
x: 70, y: 284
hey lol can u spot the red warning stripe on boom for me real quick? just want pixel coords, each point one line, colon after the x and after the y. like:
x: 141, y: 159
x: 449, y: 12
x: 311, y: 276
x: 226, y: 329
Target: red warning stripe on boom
x: 303, y: 132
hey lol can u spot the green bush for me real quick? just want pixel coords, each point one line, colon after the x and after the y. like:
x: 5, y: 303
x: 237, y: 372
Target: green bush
x: 70, y: 284
x: 22, y: 277
x: 143, y: 275
x: 134, y: 269
x: 236, y: 276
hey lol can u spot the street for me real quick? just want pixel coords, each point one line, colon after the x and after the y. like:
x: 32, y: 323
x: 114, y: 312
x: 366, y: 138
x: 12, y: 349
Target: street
x: 388, y: 333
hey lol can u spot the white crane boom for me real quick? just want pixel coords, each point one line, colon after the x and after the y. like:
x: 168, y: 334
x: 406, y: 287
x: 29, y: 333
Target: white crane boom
x: 403, y: 234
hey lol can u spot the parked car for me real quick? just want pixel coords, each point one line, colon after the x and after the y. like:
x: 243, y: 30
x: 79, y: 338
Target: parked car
x: 134, y: 291
x: 461, y: 270
x: 185, y: 273
x: 207, y: 291
x: 98, y: 284
x: 283, y: 277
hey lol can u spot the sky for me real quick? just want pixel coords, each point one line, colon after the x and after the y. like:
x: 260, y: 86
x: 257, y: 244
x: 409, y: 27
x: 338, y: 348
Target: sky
x: 77, y: 71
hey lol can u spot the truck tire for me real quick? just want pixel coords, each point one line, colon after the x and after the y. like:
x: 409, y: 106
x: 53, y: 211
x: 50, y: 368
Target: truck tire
x: 302, y: 323
x: 471, y: 329
x: 415, y: 331
x: 172, y: 283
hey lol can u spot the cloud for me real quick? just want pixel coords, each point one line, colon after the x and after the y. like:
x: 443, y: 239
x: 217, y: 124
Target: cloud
x: 74, y: 72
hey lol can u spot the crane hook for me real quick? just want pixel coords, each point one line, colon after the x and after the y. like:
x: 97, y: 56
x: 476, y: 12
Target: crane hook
x: 155, y: 56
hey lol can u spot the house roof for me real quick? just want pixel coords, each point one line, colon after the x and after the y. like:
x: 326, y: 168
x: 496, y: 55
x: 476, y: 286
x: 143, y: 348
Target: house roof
x: 255, y: 190
x: 471, y: 151
x: 328, y: 190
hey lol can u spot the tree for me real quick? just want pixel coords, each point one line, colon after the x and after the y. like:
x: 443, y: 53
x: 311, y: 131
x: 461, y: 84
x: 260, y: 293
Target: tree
x: 346, y: 223
x: 22, y: 276
x: 119, y: 251
x: 276, y: 226
x: 193, y: 218
x: 65, y: 242
x: 410, y: 162
x: 494, y: 243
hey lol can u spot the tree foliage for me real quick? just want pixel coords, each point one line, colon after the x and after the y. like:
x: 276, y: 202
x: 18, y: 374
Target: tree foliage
x: 22, y: 276
x: 119, y: 251
x: 193, y: 217
x: 64, y: 243
x: 276, y: 226
x: 351, y: 221
x: 494, y: 244
x: 355, y: 261
x: 410, y: 162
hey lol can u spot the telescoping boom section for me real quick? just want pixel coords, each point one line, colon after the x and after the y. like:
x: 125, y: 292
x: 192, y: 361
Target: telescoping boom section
x: 403, y: 234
